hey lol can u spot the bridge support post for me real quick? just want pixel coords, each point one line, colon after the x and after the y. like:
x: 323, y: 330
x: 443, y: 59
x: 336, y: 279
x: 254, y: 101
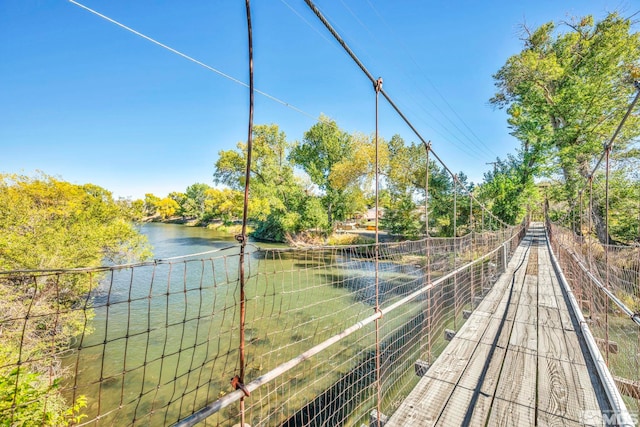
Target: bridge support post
x: 421, y: 367
x: 505, y: 257
x: 373, y: 419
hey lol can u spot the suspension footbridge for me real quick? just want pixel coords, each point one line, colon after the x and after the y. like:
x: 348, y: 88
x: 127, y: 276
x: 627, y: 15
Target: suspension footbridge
x: 529, y: 324
x: 487, y: 329
x: 520, y: 359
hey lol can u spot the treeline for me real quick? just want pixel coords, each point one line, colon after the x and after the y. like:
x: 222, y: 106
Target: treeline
x: 318, y: 182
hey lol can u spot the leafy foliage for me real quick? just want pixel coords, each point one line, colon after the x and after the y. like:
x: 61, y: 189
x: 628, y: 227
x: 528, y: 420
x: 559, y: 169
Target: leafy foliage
x: 326, y: 150
x: 509, y: 190
x: 566, y: 93
x: 46, y: 223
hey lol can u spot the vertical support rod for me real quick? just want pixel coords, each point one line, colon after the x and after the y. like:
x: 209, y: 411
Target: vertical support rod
x: 242, y: 238
x: 580, y: 233
x: 455, y: 251
x: 378, y: 88
x: 473, y: 267
x: 589, y: 243
x: 427, y: 256
x: 606, y: 250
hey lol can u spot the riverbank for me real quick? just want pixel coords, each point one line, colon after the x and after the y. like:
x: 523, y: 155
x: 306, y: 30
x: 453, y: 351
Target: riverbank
x: 303, y: 239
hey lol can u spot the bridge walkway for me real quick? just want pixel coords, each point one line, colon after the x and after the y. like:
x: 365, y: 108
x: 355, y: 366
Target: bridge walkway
x: 520, y: 359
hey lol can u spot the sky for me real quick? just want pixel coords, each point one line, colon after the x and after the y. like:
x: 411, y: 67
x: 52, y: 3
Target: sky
x: 87, y: 101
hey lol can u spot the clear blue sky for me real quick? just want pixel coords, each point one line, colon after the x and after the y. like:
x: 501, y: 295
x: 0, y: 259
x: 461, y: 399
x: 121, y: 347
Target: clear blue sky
x: 87, y: 101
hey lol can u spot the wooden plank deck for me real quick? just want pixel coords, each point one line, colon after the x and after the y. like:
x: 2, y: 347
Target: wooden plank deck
x: 517, y: 361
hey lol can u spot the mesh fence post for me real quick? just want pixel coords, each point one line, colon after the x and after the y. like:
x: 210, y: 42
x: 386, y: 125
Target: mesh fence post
x: 238, y: 381
x: 455, y: 252
x: 428, y: 257
x: 472, y: 295
x: 377, y: 87
x: 606, y: 250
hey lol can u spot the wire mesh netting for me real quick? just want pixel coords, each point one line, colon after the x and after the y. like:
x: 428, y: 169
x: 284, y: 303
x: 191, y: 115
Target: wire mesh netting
x: 152, y: 343
x: 607, y: 289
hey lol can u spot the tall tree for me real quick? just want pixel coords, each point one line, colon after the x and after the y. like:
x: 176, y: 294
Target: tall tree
x: 566, y: 92
x: 508, y: 189
x: 323, y: 147
x: 278, y: 200
x: 195, y: 201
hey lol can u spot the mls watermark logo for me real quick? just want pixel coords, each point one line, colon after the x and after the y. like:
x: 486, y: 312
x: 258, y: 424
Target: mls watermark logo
x: 610, y: 418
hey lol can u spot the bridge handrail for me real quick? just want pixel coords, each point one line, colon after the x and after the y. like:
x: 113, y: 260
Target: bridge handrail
x: 621, y: 305
x: 615, y: 398
x: 236, y: 395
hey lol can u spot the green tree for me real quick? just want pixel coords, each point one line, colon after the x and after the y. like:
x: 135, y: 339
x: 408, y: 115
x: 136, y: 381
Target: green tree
x: 406, y: 178
x: 180, y: 199
x: 167, y: 207
x: 195, y: 200
x: 566, y: 92
x: 508, y: 190
x: 323, y: 147
x: 46, y: 223
x: 224, y: 204
x: 402, y: 217
x: 137, y: 209
x: 150, y: 204
x: 275, y: 192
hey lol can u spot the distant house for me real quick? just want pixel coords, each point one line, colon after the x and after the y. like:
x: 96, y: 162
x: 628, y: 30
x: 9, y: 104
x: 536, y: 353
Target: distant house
x: 369, y: 218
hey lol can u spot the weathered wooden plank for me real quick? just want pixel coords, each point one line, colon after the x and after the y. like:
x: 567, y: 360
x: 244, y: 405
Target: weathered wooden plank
x: 417, y: 408
x: 477, y: 386
x: 573, y: 350
x: 456, y: 412
x: 565, y: 389
x: 552, y: 420
x: 549, y: 317
x: 505, y: 412
x: 546, y: 300
x: 552, y: 343
x: 515, y: 396
x: 524, y: 337
x: 527, y: 313
x: 492, y: 330
x: 425, y: 402
x: 474, y: 327
x: 565, y: 315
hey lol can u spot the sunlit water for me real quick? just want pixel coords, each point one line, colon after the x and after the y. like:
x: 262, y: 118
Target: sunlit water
x: 164, y: 337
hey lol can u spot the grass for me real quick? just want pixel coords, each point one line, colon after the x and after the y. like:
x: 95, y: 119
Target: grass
x: 343, y: 239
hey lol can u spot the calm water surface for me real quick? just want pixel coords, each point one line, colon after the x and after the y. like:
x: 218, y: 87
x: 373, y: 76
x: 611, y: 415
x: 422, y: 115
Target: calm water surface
x: 164, y: 337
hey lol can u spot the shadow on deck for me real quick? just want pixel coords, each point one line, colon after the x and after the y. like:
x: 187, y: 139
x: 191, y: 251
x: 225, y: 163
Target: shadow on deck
x: 521, y: 358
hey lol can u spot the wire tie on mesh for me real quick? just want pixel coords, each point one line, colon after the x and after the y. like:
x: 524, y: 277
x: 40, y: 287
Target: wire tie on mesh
x: 237, y: 384
x: 239, y: 238
x: 378, y: 310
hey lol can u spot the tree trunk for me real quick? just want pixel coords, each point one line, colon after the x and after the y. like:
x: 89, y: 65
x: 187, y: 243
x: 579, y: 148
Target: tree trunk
x: 597, y: 216
x: 599, y: 224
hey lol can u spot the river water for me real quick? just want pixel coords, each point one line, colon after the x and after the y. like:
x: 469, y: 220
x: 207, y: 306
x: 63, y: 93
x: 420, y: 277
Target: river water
x: 163, y: 338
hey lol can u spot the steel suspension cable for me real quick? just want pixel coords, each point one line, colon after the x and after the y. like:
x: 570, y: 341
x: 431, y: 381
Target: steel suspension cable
x: 189, y: 58
x: 364, y: 69
x: 455, y: 251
